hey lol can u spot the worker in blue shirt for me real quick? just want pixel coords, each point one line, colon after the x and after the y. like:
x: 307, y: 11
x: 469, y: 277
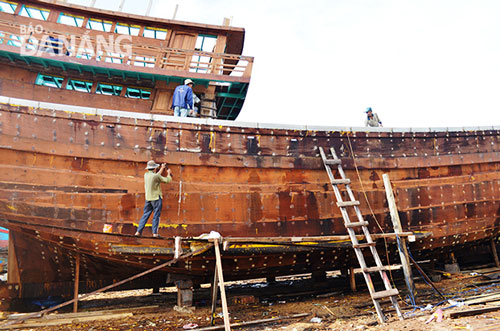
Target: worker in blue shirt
x: 182, y: 101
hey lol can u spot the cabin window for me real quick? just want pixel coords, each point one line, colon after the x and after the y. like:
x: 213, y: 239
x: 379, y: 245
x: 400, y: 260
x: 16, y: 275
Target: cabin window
x: 99, y: 25
x: 79, y: 85
x: 14, y: 41
x: 112, y: 57
x: 142, y: 61
x: 108, y: 89
x: 155, y: 33
x: 204, y: 43
x: 69, y: 19
x: 49, y: 81
x: 85, y: 53
x: 8, y: 7
x: 34, y: 12
x: 138, y: 93
x: 129, y: 29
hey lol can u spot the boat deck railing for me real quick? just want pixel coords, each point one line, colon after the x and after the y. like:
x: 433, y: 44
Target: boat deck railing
x: 91, y: 47
x: 215, y: 122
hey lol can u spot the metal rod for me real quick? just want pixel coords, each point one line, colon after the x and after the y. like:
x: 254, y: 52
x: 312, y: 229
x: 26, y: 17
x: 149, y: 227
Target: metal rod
x: 150, y: 3
x: 175, y: 11
x: 120, y: 8
x: 425, y: 276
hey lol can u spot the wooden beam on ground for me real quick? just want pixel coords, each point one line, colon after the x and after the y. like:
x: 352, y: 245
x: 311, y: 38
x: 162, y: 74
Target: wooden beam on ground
x: 472, y: 312
x: 398, y: 229
x: 220, y: 275
x: 483, y: 299
x: 262, y: 321
x: 62, y: 321
x: 135, y: 310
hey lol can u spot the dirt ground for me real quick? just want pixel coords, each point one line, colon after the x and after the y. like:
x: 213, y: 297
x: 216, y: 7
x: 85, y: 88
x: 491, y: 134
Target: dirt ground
x: 327, y: 310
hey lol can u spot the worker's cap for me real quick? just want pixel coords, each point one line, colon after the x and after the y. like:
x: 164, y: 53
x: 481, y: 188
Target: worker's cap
x: 368, y: 109
x: 188, y: 81
x: 152, y: 165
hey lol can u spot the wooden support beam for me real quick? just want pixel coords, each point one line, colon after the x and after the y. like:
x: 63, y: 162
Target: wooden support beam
x: 220, y: 275
x: 494, y: 251
x: 77, y: 282
x: 398, y: 229
x: 352, y: 279
x: 214, y: 298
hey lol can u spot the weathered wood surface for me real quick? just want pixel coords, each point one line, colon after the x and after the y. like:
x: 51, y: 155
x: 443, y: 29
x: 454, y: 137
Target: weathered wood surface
x: 64, y: 176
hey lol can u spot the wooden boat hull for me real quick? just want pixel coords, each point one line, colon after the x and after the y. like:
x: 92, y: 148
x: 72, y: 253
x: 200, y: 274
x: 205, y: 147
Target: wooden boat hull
x: 71, y: 182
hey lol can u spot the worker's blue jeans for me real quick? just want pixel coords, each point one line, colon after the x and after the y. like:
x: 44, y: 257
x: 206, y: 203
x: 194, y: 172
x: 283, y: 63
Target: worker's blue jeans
x: 182, y: 112
x: 149, y: 207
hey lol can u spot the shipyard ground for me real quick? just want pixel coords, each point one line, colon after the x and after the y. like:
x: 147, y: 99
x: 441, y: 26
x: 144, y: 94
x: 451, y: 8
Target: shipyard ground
x: 340, y: 309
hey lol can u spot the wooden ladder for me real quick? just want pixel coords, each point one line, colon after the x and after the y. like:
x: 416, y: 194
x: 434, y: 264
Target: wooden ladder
x: 389, y: 291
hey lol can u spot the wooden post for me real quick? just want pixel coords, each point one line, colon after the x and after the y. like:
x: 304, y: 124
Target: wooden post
x: 494, y: 251
x: 398, y: 229
x: 214, y: 297
x: 220, y: 275
x: 77, y: 282
x: 352, y: 279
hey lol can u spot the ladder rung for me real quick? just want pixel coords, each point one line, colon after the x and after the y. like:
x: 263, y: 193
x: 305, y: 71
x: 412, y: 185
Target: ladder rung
x: 356, y: 224
x: 363, y: 245
x: 333, y: 161
x: 375, y: 269
x: 385, y: 294
x: 341, y: 181
x: 347, y: 203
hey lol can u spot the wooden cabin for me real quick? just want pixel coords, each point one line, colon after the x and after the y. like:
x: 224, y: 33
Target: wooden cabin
x: 61, y: 53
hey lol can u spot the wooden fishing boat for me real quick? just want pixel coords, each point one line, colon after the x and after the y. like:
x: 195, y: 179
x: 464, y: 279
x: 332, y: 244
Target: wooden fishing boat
x: 73, y: 158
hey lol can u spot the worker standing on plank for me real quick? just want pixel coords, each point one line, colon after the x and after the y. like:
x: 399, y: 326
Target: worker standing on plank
x: 152, y: 187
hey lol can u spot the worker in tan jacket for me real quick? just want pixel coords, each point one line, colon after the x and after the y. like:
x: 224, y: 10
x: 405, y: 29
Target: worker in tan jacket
x: 152, y: 187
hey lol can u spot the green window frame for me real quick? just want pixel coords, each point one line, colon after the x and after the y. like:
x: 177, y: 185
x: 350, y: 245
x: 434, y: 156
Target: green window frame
x: 138, y: 93
x: 108, y: 89
x: 79, y: 85
x: 49, y: 81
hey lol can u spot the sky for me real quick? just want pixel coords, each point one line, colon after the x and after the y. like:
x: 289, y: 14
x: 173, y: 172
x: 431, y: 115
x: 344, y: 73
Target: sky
x: 417, y: 63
